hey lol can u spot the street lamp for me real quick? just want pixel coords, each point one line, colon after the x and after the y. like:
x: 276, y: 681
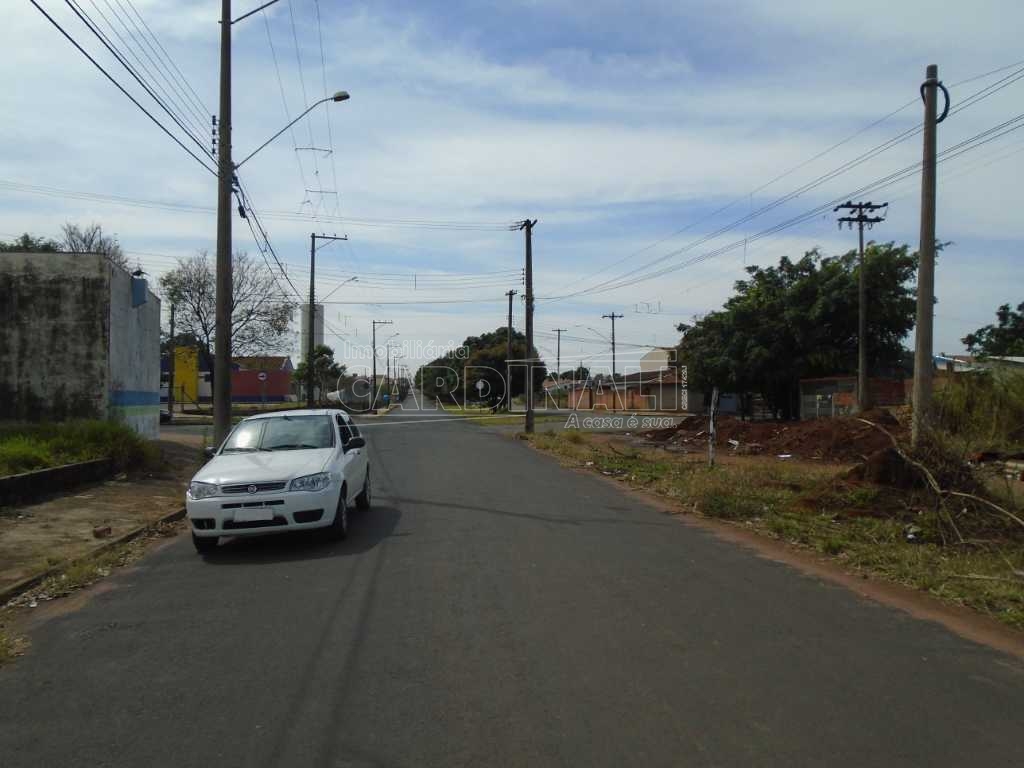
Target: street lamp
x: 338, y: 96
x: 224, y: 295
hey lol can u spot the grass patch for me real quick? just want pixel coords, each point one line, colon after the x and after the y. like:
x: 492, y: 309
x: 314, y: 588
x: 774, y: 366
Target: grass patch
x: 25, y: 447
x: 10, y: 646
x: 878, y: 530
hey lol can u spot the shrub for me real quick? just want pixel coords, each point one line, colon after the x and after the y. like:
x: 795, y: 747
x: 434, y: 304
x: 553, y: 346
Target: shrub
x: 24, y: 447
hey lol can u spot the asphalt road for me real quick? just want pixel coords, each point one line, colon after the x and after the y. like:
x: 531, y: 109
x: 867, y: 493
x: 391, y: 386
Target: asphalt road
x: 495, y: 609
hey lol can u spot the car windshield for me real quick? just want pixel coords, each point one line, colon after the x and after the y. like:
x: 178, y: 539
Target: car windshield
x: 281, y: 433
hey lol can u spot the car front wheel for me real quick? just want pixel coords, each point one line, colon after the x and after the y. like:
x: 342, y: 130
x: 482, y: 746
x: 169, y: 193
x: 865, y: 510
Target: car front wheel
x: 363, y: 499
x: 339, y: 528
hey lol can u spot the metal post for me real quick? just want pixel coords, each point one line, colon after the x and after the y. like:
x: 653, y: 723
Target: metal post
x: 312, y: 322
x: 926, y: 268
x: 224, y: 289
x: 528, y: 226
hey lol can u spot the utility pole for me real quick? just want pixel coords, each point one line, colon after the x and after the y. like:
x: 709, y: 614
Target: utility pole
x: 224, y: 289
x: 508, y: 352
x: 310, y: 378
x: 170, y: 369
x: 615, y: 390
x: 375, y: 323
x: 860, y: 219
x: 558, y: 353
x: 926, y: 266
x: 528, y: 226
x: 558, y: 364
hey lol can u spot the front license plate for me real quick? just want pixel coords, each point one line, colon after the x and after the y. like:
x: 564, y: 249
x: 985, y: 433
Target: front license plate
x: 253, y: 515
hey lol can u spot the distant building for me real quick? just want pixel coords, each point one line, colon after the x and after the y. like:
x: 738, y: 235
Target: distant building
x: 658, y: 359
x: 259, y: 378
x: 79, y: 338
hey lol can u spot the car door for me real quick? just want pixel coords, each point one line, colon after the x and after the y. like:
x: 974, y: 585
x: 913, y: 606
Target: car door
x: 353, y: 460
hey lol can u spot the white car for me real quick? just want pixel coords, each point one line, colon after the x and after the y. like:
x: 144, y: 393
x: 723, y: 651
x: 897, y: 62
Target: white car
x: 285, y: 471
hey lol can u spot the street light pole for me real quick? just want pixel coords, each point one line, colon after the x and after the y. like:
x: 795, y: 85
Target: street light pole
x: 224, y: 292
x: 373, y: 341
x: 310, y: 344
x: 224, y: 298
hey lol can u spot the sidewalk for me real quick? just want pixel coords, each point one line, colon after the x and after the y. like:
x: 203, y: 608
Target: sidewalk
x: 38, y: 536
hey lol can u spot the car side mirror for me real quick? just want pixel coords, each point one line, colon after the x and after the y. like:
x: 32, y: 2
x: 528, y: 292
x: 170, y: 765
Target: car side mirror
x: 355, y: 442
x: 210, y: 451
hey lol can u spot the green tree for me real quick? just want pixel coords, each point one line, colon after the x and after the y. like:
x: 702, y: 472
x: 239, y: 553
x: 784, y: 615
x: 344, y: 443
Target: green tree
x: 259, y: 323
x: 28, y: 243
x: 326, y: 371
x: 798, y: 320
x: 479, y: 358
x: 581, y: 373
x: 1004, y: 338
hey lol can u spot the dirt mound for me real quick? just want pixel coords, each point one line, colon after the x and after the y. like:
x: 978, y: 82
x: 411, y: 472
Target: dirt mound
x: 840, y: 439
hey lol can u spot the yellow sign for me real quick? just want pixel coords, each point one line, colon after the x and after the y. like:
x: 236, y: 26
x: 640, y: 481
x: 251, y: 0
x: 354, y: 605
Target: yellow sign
x: 186, y: 374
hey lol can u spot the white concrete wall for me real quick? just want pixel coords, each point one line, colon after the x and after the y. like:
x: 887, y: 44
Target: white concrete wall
x: 53, y: 336
x: 134, y: 357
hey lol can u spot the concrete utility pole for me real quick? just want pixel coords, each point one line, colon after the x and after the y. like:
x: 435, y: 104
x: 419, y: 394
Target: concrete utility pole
x: 170, y: 369
x: 528, y: 226
x: 508, y: 352
x: 860, y: 219
x: 615, y: 390
x: 558, y: 353
x: 375, y: 323
x: 926, y: 266
x: 224, y: 290
x: 310, y: 378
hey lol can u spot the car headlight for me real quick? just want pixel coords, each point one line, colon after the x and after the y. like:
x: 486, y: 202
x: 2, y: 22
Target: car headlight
x: 198, y: 490
x: 316, y: 482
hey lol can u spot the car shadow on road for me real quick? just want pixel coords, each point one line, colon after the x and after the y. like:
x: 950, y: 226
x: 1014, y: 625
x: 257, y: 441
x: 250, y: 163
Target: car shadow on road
x: 366, y: 530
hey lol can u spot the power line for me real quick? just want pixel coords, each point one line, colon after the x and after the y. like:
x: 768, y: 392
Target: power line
x: 157, y: 63
x: 58, y: 192
x: 120, y: 87
x: 327, y: 112
x: 864, y: 157
x: 956, y: 150
x: 305, y: 100
x: 204, y: 110
x: 284, y: 101
x: 87, y: 21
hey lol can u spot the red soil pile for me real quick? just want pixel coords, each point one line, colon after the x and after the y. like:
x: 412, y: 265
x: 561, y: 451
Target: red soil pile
x: 841, y: 439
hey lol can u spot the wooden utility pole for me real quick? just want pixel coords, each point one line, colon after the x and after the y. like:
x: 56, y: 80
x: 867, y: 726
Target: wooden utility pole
x: 528, y: 226
x: 861, y: 219
x: 311, y: 315
x: 170, y: 369
x: 615, y: 390
x: 926, y: 253
x: 508, y: 353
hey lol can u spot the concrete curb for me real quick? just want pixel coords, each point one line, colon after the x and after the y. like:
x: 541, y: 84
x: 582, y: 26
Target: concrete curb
x: 16, y: 589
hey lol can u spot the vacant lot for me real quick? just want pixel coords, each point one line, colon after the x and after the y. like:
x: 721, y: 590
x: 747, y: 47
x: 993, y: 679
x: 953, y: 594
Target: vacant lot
x: 817, y: 504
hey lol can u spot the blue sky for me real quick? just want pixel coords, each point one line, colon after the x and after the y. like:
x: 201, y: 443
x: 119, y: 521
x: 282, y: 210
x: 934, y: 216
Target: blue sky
x: 614, y: 124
